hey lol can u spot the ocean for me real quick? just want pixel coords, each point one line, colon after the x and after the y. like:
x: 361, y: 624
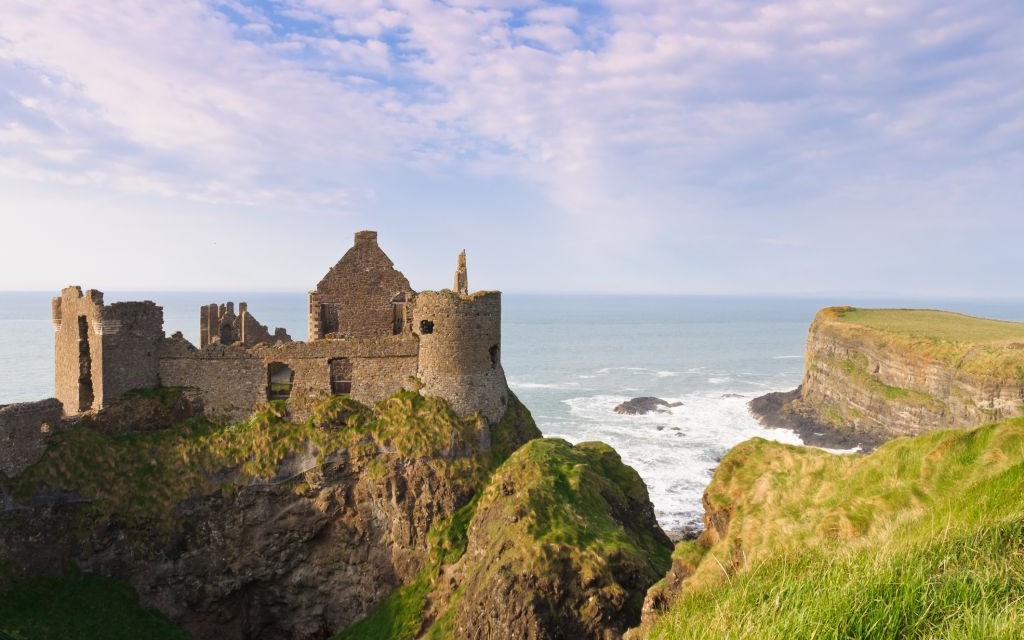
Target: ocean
x: 571, y: 359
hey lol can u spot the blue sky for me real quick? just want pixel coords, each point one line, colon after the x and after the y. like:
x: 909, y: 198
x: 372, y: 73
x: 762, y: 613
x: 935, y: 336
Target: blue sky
x: 658, y: 147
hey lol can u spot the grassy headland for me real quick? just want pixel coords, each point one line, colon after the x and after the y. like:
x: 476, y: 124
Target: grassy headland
x: 924, y: 538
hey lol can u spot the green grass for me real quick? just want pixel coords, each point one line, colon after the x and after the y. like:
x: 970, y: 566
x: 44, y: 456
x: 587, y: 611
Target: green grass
x: 944, y: 325
x: 139, y: 478
x: 924, y: 538
x: 982, y: 347
x: 79, y: 606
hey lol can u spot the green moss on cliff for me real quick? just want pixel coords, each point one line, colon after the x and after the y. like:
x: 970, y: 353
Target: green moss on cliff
x: 922, y: 538
x: 79, y: 606
x: 570, y: 517
x: 140, y: 477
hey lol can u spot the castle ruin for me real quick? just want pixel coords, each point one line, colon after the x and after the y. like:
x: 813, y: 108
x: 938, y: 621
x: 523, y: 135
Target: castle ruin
x: 370, y: 335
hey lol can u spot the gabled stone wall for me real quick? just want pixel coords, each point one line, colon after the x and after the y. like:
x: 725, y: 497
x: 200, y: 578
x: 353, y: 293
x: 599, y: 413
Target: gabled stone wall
x: 357, y: 297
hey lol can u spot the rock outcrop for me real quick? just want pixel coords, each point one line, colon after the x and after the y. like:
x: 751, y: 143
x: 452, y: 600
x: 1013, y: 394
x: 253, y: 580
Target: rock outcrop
x: 882, y: 373
x: 563, y: 545
x: 262, y: 529
x: 644, y: 405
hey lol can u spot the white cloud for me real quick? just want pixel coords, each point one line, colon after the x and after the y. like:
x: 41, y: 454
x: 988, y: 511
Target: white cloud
x: 615, y: 113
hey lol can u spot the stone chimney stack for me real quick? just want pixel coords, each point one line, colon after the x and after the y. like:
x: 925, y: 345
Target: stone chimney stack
x: 461, y: 285
x: 366, y: 237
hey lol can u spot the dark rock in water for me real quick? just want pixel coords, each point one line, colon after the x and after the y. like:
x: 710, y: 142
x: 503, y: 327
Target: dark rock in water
x: 661, y: 427
x: 731, y: 395
x: 645, y: 405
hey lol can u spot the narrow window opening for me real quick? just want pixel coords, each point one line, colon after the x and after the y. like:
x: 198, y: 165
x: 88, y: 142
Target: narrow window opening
x: 341, y: 376
x: 279, y: 381
x: 493, y: 351
x: 85, y: 389
x: 398, y: 314
x: 426, y: 326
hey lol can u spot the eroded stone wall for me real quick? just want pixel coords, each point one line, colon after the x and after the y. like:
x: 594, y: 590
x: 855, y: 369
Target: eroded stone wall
x: 24, y: 430
x: 102, y: 351
x: 460, y: 350
x: 219, y: 323
x: 231, y: 380
x: 358, y: 296
x: 379, y: 367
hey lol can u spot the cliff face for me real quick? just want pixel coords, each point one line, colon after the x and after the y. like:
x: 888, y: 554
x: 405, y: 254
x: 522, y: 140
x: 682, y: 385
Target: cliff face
x: 898, y: 372
x: 263, y: 529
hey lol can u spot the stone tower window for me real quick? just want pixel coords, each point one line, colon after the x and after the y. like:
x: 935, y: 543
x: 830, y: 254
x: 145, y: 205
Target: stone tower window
x: 494, y: 353
x: 426, y: 326
x: 85, y: 390
x: 279, y: 381
x: 341, y: 376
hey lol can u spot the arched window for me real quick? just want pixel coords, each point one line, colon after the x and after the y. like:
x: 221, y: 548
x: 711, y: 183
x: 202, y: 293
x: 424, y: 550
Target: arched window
x: 279, y: 381
x: 494, y: 352
x: 398, y: 320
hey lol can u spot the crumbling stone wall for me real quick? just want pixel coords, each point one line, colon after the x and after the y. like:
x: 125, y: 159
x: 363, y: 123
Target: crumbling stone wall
x: 231, y: 380
x: 460, y: 350
x: 24, y: 430
x: 102, y: 351
x: 218, y: 323
x: 380, y: 366
x: 360, y: 296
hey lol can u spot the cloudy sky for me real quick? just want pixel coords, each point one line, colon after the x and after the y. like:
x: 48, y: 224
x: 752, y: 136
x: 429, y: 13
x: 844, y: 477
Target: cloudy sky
x: 708, y: 146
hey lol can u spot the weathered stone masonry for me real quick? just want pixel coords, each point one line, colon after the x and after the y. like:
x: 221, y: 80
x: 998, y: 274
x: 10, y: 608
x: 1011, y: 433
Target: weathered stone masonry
x: 24, y: 429
x: 370, y: 335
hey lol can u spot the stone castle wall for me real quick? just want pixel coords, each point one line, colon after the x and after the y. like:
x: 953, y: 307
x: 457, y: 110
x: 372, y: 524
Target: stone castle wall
x: 357, y: 297
x: 379, y: 367
x: 24, y: 430
x: 102, y: 351
x: 231, y: 380
x: 370, y: 335
x: 218, y: 323
x: 460, y: 350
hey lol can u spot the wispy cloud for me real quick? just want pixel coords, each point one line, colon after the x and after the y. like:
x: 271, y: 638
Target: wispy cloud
x: 662, y: 115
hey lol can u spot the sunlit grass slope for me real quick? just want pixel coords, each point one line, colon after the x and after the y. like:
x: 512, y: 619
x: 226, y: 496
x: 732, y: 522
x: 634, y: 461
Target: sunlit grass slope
x: 977, y: 345
x: 924, y: 538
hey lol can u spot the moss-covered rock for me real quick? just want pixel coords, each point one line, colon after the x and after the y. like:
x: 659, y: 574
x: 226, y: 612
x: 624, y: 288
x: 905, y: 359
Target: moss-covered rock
x: 264, y: 528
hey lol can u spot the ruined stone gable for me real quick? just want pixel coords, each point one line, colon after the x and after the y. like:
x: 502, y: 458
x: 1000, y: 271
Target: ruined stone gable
x: 362, y: 296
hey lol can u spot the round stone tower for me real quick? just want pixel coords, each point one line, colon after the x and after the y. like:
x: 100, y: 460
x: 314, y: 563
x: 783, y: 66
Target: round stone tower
x: 460, y: 350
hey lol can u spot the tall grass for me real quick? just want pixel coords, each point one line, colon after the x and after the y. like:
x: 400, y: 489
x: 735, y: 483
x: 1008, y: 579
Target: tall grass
x: 922, y: 539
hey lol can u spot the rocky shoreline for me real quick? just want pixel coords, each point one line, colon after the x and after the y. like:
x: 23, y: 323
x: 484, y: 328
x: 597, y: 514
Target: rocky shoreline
x: 775, y: 411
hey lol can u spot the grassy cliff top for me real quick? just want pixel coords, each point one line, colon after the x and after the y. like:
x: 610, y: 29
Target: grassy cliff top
x: 924, y: 538
x: 944, y: 325
x: 979, y: 346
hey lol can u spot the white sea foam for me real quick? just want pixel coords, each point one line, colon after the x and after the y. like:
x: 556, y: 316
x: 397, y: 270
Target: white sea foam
x: 719, y: 380
x: 675, y: 453
x: 666, y: 374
